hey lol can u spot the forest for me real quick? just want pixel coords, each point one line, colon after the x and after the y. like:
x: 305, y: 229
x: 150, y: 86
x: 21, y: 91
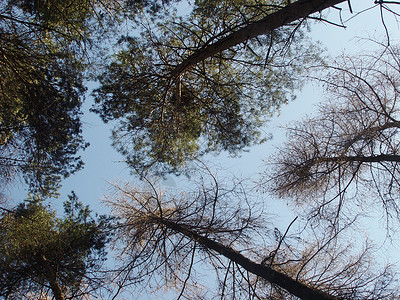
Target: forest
x: 181, y: 87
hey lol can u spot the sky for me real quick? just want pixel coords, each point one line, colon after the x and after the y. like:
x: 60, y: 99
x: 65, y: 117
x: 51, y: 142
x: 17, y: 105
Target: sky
x: 104, y: 164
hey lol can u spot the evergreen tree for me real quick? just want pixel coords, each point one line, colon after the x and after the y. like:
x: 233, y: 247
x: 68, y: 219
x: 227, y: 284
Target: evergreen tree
x: 174, y: 106
x: 41, y: 253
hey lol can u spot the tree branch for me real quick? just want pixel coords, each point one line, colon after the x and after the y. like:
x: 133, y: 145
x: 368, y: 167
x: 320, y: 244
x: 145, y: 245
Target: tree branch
x: 266, y: 272
x: 290, y: 13
x: 361, y: 158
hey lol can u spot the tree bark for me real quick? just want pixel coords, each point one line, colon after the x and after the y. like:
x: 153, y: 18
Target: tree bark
x: 290, y: 13
x: 362, y: 159
x: 294, y: 287
x: 52, y: 278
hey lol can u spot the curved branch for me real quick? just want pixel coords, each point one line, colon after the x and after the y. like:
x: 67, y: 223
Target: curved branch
x: 290, y: 13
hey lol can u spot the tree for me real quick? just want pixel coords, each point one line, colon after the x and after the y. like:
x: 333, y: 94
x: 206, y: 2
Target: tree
x: 40, y: 119
x: 42, y: 254
x: 349, y: 152
x: 178, y: 97
x: 47, y: 47
x: 41, y: 91
x: 215, y: 228
x: 206, y: 83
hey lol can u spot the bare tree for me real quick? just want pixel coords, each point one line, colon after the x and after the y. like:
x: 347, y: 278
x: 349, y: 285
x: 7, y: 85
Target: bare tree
x: 349, y: 152
x: 167, y: 240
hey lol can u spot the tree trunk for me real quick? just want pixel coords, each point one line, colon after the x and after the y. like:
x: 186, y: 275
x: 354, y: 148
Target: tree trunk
x: 290, y: 13
x: 294, y: 287
x: 361, y: 158
x: 52, y: 278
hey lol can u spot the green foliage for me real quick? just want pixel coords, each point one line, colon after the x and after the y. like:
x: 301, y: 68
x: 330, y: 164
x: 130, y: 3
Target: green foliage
x: 40, y: 116
x: 153, y: 7
x: 46, y: 50
x: 217, y: 105
x: 56, y: 13
x: 33, y: 235
x: 41, y: 91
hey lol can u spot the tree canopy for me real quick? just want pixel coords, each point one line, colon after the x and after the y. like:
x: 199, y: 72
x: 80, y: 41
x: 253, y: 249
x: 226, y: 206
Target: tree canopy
x: 207, y: 82
x: 46, y: 50
x: 42, y: 254
x: 41, y: 92
x: 171, y: 114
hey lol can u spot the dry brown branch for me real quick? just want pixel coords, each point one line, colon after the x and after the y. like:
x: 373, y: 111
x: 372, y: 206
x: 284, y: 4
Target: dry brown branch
x: 167, y: 239
x: 350, y: 149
